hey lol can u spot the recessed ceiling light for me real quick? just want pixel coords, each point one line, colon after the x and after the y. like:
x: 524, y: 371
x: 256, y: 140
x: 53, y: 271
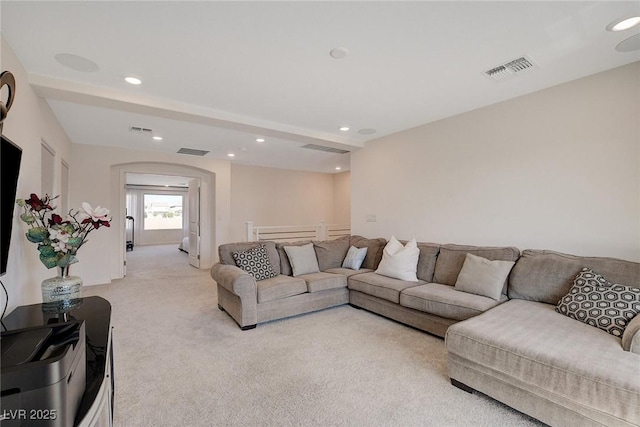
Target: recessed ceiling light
x: 231, y: 155
x: 157, y: 138
x: 344, y: 128
x: 166, y: 185
x: 624, y: 23
x: 259, y: 139
x: 133, y: 80
x: 338, y: 52
x: 338, y: 168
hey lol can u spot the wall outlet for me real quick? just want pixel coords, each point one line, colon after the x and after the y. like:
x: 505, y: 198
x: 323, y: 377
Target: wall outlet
x: 371, y: 218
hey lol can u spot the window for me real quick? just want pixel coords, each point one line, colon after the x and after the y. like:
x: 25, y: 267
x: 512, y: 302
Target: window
x: 162, y: 212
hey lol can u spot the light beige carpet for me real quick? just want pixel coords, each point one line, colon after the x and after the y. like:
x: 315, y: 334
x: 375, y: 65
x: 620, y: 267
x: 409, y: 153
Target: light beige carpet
x: 179, y: 361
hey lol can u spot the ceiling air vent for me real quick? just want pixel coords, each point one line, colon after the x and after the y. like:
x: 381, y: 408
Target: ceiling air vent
x: 137, y: 129
x: 192, y: 151
x: 325, y: 149
x: 510, y: 69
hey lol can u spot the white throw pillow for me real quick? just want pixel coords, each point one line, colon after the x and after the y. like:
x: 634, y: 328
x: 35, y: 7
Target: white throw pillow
x: 400, y: 262
x: 355, y: 258
x: 303, y: 259
x: 481, y: 276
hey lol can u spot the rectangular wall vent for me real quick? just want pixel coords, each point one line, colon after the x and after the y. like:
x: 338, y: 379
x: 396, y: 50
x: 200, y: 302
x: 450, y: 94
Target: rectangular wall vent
x: 510, y: 69
x: 137, y: 129
x: 192, y: 151
x: 325, y: 149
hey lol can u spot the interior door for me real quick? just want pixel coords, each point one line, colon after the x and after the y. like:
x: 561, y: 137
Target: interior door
x: 194, y: 222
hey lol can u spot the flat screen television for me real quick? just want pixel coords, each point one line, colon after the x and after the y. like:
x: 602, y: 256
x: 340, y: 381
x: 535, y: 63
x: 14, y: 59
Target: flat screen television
x: 10, y: 157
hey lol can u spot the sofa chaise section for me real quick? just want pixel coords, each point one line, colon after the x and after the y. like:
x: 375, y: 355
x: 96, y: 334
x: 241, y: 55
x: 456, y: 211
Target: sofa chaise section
x: 543, y: 363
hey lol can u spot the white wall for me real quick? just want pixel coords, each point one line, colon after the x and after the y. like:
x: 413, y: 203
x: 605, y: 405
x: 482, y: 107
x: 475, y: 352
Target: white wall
x: 95, y: 179
x: 269, y: 196
x: 557, y: 169
x: 29, y: 122
x: 342, y: 198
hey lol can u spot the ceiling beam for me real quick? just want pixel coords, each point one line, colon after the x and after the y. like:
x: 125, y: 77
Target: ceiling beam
x: 79, y: 93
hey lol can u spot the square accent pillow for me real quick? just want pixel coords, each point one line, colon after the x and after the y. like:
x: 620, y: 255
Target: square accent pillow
x: 400, y: 262
x: 355, y: 258
x: 597, y: 302
x: 255, y: 261
x: 303, y: 259
x: 484, y: 277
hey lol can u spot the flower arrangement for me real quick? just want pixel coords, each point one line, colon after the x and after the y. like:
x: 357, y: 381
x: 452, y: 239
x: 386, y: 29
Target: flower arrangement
x: 59, y: 239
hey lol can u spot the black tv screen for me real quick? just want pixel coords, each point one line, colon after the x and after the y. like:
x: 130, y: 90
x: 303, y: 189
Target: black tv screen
x: 10, y: 157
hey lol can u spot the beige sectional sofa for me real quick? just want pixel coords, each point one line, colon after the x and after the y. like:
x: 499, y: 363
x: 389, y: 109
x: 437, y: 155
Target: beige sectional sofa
x: 516, y: 348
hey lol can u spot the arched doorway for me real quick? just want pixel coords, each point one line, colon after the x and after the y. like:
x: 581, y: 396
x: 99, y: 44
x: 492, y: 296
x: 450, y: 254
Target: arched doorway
x: 207, y: 207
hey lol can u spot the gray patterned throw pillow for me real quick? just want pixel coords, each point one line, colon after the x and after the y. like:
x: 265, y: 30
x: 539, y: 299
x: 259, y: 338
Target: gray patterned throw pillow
x: 597, y: 302
x: 255, y: 261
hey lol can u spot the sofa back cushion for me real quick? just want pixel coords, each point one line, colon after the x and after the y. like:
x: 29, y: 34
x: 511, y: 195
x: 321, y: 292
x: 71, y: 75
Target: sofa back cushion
x: 331, y: 253
x: 451, y: 259
x: 225, y: 252
x: 547, y: 276
x: 427, y: 259
x: 374, y: 250
x: 285, y: 265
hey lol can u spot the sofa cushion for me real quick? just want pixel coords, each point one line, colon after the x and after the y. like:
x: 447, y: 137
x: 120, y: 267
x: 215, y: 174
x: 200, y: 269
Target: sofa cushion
x: 400, y: 261
x: 280, y: 287
x: 374, y: 250
x: 255, y: 261
x: 331, y: 253
x: 550, y: 355
x: 302, y: 259
x: 347, y: 271
x: 484, y: 277
x: 380, y: 286
x: 427, y: 260
x: 322, y: 281
x: 451, y: 259
x: 599, y: 303
x: 225, y: 252
x: 445, y: 301
x: 285, y: 265
x: 547, y: 276
x: 355, y: 258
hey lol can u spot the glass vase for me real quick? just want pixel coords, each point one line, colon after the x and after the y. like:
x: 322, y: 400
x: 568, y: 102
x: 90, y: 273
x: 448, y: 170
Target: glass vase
x: 62, y: 289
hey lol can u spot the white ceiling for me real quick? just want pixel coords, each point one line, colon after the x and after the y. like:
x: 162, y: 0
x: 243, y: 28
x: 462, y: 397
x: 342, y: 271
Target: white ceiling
x: 217, y: 75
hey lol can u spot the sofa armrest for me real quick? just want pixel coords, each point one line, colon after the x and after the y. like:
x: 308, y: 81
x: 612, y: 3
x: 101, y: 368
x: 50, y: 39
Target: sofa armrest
x: 631, y: 336
x: 235, y: 280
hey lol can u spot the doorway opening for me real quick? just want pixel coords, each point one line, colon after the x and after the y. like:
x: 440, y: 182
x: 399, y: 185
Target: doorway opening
x: 163, y: 204
x: 163, y: 210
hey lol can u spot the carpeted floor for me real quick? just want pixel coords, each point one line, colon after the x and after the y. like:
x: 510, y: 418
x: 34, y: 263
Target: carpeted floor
x: 179, y: 361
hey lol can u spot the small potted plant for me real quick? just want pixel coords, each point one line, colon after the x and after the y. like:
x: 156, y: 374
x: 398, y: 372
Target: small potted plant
x: 58, y: 240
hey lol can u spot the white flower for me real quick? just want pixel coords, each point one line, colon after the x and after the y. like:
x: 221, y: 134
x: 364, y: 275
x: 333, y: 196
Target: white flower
x: 59, y: 246
x: 59, y: 235
x: 96, y: 214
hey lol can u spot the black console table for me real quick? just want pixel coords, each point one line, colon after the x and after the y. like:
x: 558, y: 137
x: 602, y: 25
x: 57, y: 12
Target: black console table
x: 96, y: 406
